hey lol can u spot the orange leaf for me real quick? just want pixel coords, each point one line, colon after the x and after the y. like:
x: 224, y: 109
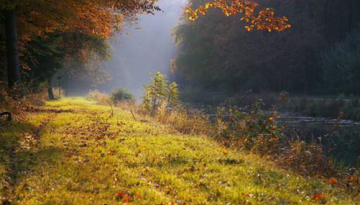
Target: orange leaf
x: 333, y: 180
x: 224, y: 150
x: 121, y: 194
x: 126, y: 199
x: 318, y: 196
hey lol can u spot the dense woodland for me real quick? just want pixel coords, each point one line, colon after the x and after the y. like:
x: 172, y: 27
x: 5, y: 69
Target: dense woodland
x: 318, y: 55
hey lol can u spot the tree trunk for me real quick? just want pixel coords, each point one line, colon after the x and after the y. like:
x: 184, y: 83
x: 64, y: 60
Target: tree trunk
x: 12, y: 49
x: 50, y: 90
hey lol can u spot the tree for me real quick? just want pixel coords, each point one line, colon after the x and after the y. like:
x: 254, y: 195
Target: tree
x: 12, y: 49
x: 73, y: 51
x: 40, y: 18
x: 216, y: 54
x: 341, y: 65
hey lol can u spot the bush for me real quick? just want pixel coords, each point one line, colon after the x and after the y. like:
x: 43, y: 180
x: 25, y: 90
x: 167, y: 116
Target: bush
x: 251, y: 128
x: 121, y: 95
x: 306, y: 159
x: 160, y: 95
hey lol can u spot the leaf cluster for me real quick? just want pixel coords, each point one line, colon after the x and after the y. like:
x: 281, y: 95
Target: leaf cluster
x: 265, y: 19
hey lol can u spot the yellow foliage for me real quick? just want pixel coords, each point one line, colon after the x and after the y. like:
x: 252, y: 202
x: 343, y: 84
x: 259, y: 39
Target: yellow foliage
x: 263, y: 20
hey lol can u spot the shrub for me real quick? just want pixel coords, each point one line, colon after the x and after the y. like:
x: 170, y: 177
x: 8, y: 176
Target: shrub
x: 160, y: 94
x: 121, y: 95
x: 306, y: 159
x: 250, y: 127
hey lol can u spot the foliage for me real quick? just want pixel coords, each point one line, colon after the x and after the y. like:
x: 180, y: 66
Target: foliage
x: 264, y: 20
x: 84, y: 157
x: 68, y: 34
x: 341, y: 65
x: 74, y: 53
x: 99, y: 18
x: 253, y: 129
x: 217, y: 55
x: 120, y: 95
x: 160, y: 94
x: 308, y: 159
x: 173, y: 95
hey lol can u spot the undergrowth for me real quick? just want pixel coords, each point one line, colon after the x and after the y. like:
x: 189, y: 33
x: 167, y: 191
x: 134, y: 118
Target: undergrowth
x: 17, y: 105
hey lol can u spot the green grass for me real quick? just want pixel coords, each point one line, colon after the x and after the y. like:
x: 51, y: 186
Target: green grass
x: 81, y: 156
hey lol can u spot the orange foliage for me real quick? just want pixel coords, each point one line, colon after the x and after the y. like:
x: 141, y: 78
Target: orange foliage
x: 92, y: 17
x: 265, y: 19
x: 224, y: 150
x: 86, y: 19
x: 126, y: 200
x: 318, y: 196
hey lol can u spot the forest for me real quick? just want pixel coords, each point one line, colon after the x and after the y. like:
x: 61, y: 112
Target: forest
x: 319, y: 55
x: 246, y: 102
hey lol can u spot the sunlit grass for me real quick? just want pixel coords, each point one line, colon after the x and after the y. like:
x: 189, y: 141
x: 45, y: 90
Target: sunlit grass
x: 84, y: 156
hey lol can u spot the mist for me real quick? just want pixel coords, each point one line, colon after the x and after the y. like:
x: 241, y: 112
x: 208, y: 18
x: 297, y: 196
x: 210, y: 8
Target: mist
x: 143, y: 48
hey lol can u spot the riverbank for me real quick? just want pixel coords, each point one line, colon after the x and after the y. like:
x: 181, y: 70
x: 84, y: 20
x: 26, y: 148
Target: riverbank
x: 77, y: 152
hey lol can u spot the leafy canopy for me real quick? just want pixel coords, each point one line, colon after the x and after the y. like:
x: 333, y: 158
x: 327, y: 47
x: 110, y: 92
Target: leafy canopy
x: 265, y: 19
x: 91, y: 17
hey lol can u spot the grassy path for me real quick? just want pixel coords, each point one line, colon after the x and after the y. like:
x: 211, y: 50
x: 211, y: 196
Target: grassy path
x: 81, y: 156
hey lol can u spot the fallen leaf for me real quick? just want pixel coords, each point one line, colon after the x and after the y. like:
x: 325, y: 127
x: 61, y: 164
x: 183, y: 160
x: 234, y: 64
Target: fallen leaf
x: 121, y: 194
x: 224, y: 150
x: 333, y: 180
x: 318, y: 196
x: 126, y: 199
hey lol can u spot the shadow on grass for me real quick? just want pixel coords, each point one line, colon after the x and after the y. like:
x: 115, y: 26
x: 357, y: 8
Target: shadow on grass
x: 17, y: 159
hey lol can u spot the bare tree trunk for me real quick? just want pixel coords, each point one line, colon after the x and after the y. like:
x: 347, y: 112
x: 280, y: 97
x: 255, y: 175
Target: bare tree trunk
x: 50, y: 90
x: 12, y: 49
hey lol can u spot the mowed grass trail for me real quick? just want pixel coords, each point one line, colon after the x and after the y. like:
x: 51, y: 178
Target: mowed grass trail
x: 74, y: 153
